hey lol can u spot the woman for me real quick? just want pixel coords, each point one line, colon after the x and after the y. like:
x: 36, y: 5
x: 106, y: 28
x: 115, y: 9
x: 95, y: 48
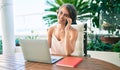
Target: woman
x: 62, y: 37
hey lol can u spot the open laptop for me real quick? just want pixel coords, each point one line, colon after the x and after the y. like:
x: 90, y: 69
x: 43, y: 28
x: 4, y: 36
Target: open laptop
x: 38, y: 51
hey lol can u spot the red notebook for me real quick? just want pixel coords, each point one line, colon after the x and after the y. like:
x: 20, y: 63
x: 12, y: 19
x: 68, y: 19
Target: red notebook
x: 70, y: 61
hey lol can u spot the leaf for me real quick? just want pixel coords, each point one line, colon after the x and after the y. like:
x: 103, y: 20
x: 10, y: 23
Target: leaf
x: 50, y: 16
x: 51, y: 4
x: 66, y: 1
x: 59, y: 2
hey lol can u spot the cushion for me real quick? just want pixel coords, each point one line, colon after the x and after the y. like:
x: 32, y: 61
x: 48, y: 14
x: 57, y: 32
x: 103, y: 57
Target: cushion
x: 80, y: 40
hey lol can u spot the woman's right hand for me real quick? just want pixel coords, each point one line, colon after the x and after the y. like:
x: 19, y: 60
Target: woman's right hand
x: 69, y: 20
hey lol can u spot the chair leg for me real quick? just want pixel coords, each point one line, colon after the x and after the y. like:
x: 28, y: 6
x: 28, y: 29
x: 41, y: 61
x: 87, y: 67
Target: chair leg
x: 85, y: 40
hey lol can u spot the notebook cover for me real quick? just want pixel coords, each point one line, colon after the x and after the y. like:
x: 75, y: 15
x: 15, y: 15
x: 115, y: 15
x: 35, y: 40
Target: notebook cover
x: 70, y: 61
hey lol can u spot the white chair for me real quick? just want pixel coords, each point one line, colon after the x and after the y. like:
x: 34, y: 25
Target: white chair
x: 80, y: 48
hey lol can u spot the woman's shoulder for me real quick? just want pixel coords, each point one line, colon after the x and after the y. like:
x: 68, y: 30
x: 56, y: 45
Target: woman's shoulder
x: 51, y: 29
x: 73, y: 30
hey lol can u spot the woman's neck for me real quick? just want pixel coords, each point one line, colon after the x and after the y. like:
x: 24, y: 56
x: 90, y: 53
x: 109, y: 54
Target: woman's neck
x: 61, y: 26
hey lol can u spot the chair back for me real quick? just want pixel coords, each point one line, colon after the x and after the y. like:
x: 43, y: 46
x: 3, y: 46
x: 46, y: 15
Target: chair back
x: 80, y: 48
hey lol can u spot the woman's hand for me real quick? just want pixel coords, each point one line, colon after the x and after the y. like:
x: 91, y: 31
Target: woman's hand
x: 69, y: 20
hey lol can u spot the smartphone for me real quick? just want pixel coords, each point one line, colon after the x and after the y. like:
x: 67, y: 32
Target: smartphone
x: 73, y: 22
x: 66, y: 23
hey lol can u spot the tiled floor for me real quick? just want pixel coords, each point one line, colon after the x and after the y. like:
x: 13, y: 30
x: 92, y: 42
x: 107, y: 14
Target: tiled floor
x: 11, y: 63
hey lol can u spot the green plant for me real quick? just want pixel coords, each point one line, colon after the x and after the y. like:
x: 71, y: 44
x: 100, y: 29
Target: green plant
x: 116, y: 47
x: 110, y: 10
x: 0, y: 46
x: 112, y: 29
x: 97, y: 45
x: 119, y: 55
x: 80, y: 5
x: 32, y: 36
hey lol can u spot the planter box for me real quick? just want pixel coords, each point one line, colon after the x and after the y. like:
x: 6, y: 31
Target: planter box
x: 110, y: 40
x: 112, y: 57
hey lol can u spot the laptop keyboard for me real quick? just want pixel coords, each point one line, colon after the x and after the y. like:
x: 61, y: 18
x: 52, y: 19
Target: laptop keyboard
x: 55, y: 58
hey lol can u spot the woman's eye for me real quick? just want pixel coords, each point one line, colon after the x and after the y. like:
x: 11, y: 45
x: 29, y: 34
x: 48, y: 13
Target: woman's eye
x: 66, y: 15
x: 60, y: 12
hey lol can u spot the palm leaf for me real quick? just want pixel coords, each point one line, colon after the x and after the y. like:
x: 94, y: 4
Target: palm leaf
x: 51, y: 4
x: 59, y: 2
x: 79, y: 5
x: 83, y: 11
x: 53, y: 21
x: 66, y: 1
x: 75, y: 3
x: 84, y: 16
x: 50, y: 16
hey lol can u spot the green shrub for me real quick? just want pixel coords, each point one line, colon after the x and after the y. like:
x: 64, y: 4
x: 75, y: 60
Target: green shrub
x: 116, y: 47
x: 97, y: 45
x: 0, y: 46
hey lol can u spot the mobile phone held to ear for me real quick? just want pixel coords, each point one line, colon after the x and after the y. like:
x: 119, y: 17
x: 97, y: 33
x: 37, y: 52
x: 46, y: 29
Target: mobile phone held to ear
x: 66, y: 23
x: 73, y: 22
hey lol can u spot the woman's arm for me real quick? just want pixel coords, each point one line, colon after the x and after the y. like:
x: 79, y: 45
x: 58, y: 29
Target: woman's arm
x: 50, y: 31
x: 70, y: 41
x: 70, y: 37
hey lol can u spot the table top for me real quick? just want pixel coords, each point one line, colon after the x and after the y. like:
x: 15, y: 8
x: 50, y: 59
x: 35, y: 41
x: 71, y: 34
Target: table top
x: 17, y: 62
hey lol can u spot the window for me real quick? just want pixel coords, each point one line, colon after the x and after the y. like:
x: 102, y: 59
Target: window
x: 28, y: 16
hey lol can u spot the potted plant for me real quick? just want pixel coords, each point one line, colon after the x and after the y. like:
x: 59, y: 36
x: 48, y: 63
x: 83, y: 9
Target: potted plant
x: 113, y: 35
x: 33, y: 35
x: 107, y: 17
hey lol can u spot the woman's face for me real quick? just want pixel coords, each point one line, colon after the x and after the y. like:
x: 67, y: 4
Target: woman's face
x: 63, y: 14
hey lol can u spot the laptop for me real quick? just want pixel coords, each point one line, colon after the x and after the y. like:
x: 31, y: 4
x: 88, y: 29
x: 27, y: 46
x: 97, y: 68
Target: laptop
x: 37, y: 51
